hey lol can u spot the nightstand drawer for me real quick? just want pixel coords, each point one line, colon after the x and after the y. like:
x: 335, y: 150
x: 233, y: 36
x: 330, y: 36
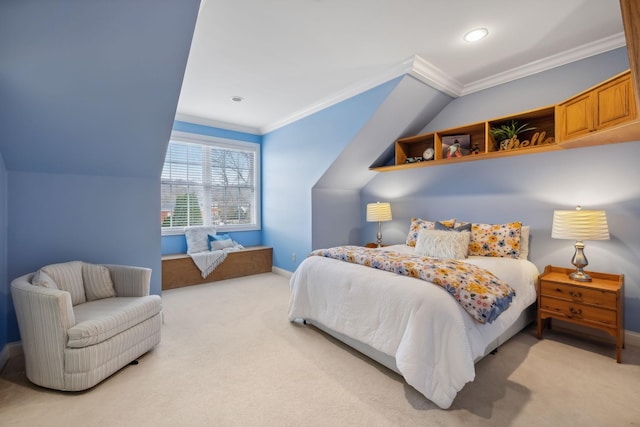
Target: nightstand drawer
x: 572, y: 310
x: 578, y: 294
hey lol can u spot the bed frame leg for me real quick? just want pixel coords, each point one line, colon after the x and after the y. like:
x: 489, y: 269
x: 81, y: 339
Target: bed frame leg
x: 304, y: 322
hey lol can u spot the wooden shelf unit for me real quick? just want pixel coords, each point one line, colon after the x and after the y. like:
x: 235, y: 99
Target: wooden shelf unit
x: 604, y: 114
x: 542, y: 119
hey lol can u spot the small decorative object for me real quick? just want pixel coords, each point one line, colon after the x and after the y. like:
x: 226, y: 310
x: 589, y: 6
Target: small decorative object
x: 416, y: 159
x: 505, y: 137
x: 379, y: 212
x: 428, y: 154
x: 456, y: 146
x: 475, y: 149
x: 580, y: 225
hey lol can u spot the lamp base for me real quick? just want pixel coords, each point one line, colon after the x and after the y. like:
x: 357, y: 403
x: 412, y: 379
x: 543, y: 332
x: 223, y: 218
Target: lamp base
x: 580, y: 276
x: 579, y: 260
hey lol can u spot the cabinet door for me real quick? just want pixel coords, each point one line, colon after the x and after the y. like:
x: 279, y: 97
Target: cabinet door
x: 575, y: 117
x: 615, y: 103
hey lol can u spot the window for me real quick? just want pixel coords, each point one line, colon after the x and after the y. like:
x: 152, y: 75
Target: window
x: 210, y: 181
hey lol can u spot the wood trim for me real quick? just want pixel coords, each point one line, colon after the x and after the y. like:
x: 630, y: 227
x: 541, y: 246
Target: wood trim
x: 631, y: 20
x: 179, y: 270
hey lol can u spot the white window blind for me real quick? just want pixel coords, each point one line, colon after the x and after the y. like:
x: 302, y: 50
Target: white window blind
x: 210, y: 181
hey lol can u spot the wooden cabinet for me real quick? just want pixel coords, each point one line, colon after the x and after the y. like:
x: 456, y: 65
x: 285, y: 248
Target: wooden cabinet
x: 596, y: 304
x: 608, y: 104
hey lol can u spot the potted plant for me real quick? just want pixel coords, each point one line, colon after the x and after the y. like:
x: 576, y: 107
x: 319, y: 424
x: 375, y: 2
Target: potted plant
x: 506, y: 135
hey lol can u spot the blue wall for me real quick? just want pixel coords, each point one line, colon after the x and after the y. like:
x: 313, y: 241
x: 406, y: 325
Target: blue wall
x: 89, y: 94
x: 175, y: 244
x: 294, y: 159
x: 528, y: 188
x: 4, y: 282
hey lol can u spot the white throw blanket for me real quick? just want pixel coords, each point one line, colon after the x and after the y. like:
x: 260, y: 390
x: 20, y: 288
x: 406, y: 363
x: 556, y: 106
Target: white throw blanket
x: 207, y: 261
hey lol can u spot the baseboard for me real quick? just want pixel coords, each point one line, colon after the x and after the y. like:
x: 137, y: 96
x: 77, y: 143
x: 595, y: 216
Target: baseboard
x: 630, y: 337
x: 9, y: 351
x: 282, y: 272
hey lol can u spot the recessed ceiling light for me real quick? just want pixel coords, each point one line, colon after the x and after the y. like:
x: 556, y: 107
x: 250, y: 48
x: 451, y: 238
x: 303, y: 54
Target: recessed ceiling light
x: 237, y: 98
x: 475, y: 35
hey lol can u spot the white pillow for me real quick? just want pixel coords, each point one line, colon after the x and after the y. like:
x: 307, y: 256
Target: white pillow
x: 443, y: 244
x: 68, y: 277
x: 198, y: 237
x: 97, y: 282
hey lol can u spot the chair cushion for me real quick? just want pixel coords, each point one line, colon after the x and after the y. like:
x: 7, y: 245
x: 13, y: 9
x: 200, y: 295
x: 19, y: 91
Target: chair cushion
x: 68, y: 277
x: 97, y: 282
x: 99, y: 320
x: 40, y: 278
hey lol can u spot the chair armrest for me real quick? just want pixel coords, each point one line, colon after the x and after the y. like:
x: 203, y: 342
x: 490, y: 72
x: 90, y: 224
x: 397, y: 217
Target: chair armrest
x: 44, y: 317
x: 130, y: 281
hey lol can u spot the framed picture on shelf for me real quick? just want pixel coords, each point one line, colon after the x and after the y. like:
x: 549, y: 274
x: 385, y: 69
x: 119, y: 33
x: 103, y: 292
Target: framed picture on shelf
x: 456, y: 146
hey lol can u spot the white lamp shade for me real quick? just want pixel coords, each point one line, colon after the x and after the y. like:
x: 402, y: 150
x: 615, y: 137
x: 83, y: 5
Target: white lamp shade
x: 580, y: 225
x: 377, y: 212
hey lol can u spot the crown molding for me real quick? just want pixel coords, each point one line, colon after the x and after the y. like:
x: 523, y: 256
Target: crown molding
x: 581, y: 52
x: 428, y: 73
x: 349, y: 92
x: 196, y: 120
x: 431, y: 75
x: 424, y: 71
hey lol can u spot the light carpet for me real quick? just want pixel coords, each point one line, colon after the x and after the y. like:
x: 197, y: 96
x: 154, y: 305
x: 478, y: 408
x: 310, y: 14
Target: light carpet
x: 230, y: 357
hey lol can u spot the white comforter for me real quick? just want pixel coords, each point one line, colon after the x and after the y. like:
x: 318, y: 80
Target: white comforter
x: 434, y: 341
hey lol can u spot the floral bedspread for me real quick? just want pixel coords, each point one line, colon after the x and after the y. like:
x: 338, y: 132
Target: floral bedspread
x: 479, y: 292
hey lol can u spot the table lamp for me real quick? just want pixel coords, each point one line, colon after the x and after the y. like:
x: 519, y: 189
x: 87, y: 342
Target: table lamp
x: 379, y: 212
x: 580, y: 225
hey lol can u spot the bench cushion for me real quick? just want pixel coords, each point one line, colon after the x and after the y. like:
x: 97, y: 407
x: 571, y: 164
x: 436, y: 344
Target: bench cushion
x: 99, y: 320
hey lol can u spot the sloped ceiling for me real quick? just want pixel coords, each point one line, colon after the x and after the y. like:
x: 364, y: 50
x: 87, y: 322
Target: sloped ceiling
x: 91, y: 87
x: 404, y: 112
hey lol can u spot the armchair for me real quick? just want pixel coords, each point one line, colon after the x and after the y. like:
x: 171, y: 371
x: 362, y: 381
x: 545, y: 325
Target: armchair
x: 80, y: 323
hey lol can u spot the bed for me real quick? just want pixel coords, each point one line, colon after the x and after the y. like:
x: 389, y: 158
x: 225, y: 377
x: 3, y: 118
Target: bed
x: 411, y: 326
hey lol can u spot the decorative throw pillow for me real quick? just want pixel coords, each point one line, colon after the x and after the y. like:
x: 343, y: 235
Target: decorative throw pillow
x: 198, y: 237
x: 40, y: 278
x: 443, y: 244
x: 418, y: 224
x: 97, y: 282
x: 220, y: 241
x: 496, y: 240
x: 68, y: 277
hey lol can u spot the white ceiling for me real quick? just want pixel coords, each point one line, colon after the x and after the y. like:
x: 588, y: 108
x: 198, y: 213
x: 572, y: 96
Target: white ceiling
x: 290, y: 58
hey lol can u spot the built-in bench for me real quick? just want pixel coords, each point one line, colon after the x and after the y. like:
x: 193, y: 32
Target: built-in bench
x: 179, y: 270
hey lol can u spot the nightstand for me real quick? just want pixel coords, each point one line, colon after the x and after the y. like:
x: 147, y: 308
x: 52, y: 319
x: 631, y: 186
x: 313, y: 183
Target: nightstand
x: 597, y: 304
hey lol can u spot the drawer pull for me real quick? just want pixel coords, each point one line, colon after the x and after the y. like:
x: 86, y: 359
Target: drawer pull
x: 575, y: 294
x: 575, y: 310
